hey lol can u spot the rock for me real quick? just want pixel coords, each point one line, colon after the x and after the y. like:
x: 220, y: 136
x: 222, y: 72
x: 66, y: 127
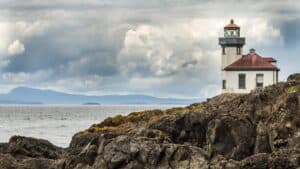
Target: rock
x: 79, y: 141
x: 260, y: 161
x: 231, y: 136
x: 294, y: 78
x: 220, y: 162
x: 7, y: 162
x: 41, y: 163
x: 280, y: 159
x: 256, y: 130
x: 262, y: 143
x: 3, y: 147
x: 26, y: 146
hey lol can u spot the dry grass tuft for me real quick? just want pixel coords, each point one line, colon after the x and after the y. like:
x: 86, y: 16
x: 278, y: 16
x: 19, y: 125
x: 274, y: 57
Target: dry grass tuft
x: 293, y: 89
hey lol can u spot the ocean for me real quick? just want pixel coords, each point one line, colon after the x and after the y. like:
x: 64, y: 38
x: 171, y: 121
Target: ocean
x: 58, y: 123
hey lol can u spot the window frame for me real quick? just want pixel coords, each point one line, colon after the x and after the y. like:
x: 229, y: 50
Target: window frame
x: 223, y: 84
x: 242, y: 84
x: 238, y: 50
x: 261, y: 84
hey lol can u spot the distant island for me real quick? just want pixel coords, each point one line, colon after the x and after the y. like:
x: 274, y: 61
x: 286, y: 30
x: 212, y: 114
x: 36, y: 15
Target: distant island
x: 24, y: 95
x: 91, y: 103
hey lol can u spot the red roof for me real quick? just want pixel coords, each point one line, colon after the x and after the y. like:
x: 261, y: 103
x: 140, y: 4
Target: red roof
x: 252, y: 61
x: 232, y: 25
x: 269, y: 59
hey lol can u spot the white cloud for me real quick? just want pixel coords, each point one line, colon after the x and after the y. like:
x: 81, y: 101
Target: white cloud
x: 20, y: 30
x: 16, y: 48
x: 259, y: 31
x: 23, y: 78
x: 27, y: 29
x: 4, y: 37
x: 162, y: 50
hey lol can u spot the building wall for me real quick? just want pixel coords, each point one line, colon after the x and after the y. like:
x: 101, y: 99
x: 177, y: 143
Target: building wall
x: 232, y: 80
x: 230, y: 56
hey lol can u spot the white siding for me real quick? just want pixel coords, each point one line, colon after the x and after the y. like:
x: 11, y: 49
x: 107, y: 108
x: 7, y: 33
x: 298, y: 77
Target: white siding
x: 232, y: 80
x: 230, y: 56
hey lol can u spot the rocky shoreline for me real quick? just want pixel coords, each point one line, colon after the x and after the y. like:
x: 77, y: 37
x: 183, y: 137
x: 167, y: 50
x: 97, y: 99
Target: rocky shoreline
x: 256, y: 130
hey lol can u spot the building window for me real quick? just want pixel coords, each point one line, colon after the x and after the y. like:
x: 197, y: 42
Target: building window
x: 242, y: 81
x: 223, y: 50
x: 259, y: 80
x: 238, y: 50
x: 224, y: 84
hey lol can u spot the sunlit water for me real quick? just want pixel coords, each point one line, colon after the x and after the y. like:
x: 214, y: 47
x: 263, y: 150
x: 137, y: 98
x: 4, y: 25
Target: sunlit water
x: 58, y: 123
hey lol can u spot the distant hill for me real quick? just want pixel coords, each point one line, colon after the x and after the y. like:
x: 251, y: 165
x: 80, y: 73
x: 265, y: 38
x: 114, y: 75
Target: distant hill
x: 24, y: 95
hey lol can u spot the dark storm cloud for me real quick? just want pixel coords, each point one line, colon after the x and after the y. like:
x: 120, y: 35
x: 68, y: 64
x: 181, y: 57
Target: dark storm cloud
x: 132, y: 46
x: 92, y: 49
x: 94, y: 4
x: 291, y: 33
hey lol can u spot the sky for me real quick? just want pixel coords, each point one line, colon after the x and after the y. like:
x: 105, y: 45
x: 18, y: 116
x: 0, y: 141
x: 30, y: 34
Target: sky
x: 163, y: 48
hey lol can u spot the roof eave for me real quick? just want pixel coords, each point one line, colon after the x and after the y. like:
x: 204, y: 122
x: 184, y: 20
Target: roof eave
x: 251, y: 69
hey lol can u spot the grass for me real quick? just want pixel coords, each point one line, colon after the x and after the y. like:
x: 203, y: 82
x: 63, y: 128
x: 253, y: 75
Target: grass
x: 293, y: 89
x: 121, y: 123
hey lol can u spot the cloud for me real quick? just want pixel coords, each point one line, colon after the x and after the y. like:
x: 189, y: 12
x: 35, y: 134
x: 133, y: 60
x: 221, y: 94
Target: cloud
x: 159, y: 47
x: 16, y: 48
x: 30, y: 29
x: 260, y: 31
x: 14, y: 33
x: 163, y: 50
x: 169, y: 49
x: 25, y: 78
x: 5, y: 38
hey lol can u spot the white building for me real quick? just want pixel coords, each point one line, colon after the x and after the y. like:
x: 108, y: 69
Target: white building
x: 243, y: 73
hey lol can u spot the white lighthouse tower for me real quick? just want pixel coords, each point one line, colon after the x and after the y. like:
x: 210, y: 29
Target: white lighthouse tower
x: 232, y: 44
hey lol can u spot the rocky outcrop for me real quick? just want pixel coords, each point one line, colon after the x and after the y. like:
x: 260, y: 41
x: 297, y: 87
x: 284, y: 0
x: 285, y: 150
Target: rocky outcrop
x: 256, y: 130
x: 294, y: 77
x: 25, y: 153
x: 232, y: 137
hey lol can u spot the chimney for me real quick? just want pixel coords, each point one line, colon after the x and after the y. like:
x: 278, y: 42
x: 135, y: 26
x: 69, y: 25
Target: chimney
x: 232, y: 21
x: 252, y: 51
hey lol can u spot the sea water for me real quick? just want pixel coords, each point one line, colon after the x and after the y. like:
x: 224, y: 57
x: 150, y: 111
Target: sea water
x: 58, y: 123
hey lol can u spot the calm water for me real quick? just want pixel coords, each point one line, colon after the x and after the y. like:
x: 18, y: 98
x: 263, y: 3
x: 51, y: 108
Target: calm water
x: 58, y: 123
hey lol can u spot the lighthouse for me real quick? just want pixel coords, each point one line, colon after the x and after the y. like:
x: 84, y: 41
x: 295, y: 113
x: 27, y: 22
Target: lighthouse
x: 243, y: 73
x: 232, y: 44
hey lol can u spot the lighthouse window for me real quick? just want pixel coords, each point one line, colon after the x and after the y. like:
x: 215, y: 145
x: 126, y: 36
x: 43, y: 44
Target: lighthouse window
x: 259, y: 80
x: 224, y: 84
x: 242, y: 81
x: 238, y: 50
x: 223, y: 50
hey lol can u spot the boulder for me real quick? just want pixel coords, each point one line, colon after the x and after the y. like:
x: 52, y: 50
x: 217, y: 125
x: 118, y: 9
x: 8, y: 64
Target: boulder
x: 262, y: 143
x: 294, y: 78
x: 31, y: 147
x: 233, y: 137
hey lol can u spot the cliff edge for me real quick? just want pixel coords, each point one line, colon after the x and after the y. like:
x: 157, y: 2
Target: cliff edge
x: 256, y: 130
